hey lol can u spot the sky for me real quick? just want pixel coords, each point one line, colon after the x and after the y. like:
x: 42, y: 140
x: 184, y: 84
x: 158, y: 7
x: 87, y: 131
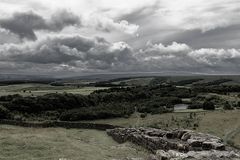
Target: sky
x: 75, y: 37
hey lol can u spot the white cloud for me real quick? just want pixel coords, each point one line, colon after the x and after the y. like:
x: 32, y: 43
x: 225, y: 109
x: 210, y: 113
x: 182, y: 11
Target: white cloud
x: 121, y: 22
x: 202, y: 14
x: 80, y: 54
x: 99, y: 22
x: 185, y: 14
x: 8, y: 37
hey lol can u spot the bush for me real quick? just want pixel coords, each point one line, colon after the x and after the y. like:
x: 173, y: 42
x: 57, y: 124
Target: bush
x: 195, y: 106
x: 102, y: 111
x: 108, y: 103
x: 4, y: 112
x: 238, y: 104
x: 48, y: 102
x: 9, y: 97
x: 188, y: 81
x: 207, y: 105
x: 153, y: 108
x: 227, y: 106
x: 143, y: 115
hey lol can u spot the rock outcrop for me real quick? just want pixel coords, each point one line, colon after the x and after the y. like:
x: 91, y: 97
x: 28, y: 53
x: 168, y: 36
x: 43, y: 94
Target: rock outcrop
x: 175, y: 144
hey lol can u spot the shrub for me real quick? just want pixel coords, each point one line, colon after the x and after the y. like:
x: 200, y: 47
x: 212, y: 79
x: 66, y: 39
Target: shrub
x: 143, y: 115
x: 238, y: 104
x: 102, y: 111
x: 207, y: 105
x: 108, y: 103
x: 153, y: 107
x: 4, y: 112
x: 188, y: 81
x: 48, y: 102
x: 195, y: 106
x: 227, y: 106
x: 9, y: 97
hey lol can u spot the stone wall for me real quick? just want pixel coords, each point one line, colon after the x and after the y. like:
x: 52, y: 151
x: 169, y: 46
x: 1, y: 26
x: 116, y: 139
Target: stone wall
x: 62, y: 124
x: 170, y: 144
x: 154, y: 139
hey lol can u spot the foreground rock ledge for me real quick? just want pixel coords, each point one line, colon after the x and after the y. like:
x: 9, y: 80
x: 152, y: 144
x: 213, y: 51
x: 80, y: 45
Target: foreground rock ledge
x: 176, y: 144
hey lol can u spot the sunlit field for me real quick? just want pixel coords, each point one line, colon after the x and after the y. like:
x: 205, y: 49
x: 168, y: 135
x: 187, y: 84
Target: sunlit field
x: 41, y: 89
x: 225, y: 124
x: 62, y: 144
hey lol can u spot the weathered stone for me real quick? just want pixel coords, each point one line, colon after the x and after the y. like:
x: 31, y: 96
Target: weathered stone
x: 185, y: 136
x: 181, y: 133
x: 194, y: 143
x: 169, y: 135
x: 183, y: 147
x: 219, y: 146
x: 162, y: 155
x: 207, y: 145
x: 152, y: 157
x: 176, y: 154
x: 179, y: 144
x: 213, y: 154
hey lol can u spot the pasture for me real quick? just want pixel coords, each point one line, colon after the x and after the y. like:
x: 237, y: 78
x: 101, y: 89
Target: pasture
x: 222, y: 123
x: 70, y: 144
x: 36, y: 89
x: 62, y: 144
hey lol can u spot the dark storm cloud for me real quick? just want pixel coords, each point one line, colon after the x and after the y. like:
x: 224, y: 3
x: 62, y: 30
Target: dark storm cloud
x: 61, y: 19
x: 74, y: 52
x: 80, y: 54
x: 24, y: 24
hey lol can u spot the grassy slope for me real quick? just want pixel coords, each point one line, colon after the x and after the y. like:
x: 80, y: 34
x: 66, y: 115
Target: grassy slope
x: 56, y: 143
x: 136, y: 81
x: 220, y: 123
x: 41, y: 89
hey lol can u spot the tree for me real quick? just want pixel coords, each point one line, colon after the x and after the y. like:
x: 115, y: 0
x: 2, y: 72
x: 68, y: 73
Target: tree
x: 208, y: 105
x: 227, y: 106
x: 238, y: 104
x: 4, y: 113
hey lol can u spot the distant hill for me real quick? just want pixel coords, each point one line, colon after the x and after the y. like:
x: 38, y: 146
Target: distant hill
x: 18, y: 78
x: 110, y: 76
x: 114, y: 77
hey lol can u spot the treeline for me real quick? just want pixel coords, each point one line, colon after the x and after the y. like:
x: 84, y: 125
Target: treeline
x: 158, y: 81
x: 215, y: 82
x: 188, y: 81
x: 106, y: 84
x: 12, y: 82
x: 221, y: 89
x: 206, y: 105
x: 109, y: 103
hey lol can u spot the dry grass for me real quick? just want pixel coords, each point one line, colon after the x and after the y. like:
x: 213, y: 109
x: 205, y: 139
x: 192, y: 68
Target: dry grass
x: 74, y: 144
x: 65, y: 144
x: 222, y: 123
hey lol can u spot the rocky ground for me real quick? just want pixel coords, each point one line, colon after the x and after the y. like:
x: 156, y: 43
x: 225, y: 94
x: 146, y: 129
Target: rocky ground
x: 176, y: 144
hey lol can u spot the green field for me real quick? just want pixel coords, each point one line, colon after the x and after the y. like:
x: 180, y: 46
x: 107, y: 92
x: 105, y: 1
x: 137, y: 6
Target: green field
x: 74, y: 144
x: 208, y: 78
x: 62, y: 144
x: 135, y: 81
x: 41, y: 89
x: 70, y: 144
x: 36, y: 89
x: 205, y: 78
x: 225, y: 124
